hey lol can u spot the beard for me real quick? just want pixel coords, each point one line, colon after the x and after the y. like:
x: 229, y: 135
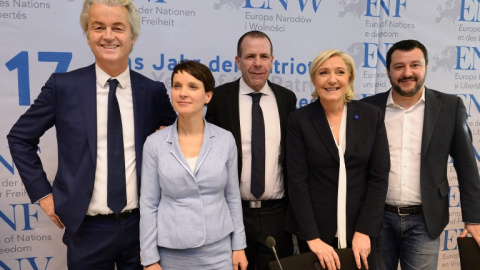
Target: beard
x: 405, y: 92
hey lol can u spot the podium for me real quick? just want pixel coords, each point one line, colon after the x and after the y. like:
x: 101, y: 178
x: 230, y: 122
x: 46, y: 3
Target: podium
x: 309, y: 261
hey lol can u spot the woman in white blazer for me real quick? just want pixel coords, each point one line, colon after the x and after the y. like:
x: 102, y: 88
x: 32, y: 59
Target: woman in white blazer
x: 191, y: 213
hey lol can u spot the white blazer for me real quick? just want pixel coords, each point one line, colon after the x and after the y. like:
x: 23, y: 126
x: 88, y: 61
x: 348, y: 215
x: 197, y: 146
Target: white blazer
x: 182, y: 209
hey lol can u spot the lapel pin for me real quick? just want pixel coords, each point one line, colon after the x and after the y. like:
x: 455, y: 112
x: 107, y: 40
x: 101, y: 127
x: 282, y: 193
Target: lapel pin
x: 356, y: 116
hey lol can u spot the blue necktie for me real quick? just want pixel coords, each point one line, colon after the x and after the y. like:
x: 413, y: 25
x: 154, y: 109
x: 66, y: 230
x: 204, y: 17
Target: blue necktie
x: 116, y: 193
x: 257, y: 185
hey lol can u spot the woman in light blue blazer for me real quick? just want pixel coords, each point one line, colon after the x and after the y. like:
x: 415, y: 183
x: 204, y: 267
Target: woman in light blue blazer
x: 190, y: 208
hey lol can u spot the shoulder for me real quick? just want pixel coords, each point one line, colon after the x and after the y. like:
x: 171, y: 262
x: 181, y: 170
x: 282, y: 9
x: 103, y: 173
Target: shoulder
x: 441, y: 95
x: 364, y: 106
x: 158, y: 136
x: 219, y: 132
x: 281, y: 90
x: 88, y: 70
x: 227, y: 86
x: 376, y: 98
x: 136, y: 78
x: 305, y: 110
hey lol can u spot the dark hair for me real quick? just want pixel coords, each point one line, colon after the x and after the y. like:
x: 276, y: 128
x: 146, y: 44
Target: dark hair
x: 406, y: 45
x: 253, y: 34
x: 197, y: 70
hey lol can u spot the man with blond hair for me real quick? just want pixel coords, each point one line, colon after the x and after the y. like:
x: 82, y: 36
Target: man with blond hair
x: 102, y: 115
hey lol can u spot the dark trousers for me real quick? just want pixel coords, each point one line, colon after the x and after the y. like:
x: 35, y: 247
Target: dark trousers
x: 261, y: 223
x: 101, y: 243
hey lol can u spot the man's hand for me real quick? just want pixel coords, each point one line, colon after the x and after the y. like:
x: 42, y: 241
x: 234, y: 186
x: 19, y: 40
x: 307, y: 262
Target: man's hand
x: 474, y: 230
x: 361, y: 249
x: 326, y: 254
x: 49, y: 208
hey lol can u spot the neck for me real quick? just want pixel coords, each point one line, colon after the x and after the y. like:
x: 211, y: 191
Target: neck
x: 112, y: 69
x: 332, y: 108
x: 190, y: 125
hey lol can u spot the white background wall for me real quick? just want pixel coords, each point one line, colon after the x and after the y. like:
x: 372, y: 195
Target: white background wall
x: 39, y: 37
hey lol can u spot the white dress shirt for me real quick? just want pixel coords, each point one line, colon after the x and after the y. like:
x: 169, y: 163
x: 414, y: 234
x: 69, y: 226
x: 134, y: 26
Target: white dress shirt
x: 98, y: 204
x: 273, y: 167
x: 404, y: 132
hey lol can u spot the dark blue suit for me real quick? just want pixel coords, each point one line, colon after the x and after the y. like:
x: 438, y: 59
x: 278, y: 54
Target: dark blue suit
x: 68, y: 102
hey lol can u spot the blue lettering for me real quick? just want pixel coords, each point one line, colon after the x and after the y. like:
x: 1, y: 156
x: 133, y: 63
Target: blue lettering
x: 385, y: 5
x: 284, y: 3
x: 63, y: 59
x: 248, y: 4
x: 373, y: 54
x: 470, y: 12
x: 30, y: 263
x: 10, y: 168
x: 476, y: 153
x: 138, y: 63
x: 466, y: 57
x: 20, y: 63
x: 450, y: 241
x: 454, y: 198
x: 315, y: 4
x: 27, y: 213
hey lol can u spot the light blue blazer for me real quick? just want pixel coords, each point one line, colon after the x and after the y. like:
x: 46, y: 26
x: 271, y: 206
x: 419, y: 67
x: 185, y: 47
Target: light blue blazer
x: 182, y: 209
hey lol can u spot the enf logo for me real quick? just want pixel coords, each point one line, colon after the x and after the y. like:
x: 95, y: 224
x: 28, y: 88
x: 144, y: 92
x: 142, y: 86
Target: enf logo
x: 470, y: 11
x: 265, y: 4
x: 391, y: 8
x: 375, y: 52
x: 467, y: 58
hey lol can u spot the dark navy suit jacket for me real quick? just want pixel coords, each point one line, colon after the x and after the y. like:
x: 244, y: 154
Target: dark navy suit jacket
x: 68, y: 102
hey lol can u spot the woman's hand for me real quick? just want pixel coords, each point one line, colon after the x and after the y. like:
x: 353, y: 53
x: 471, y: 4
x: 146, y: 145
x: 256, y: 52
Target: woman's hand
x: 361, y: 248
x: 326, y: 254
x: 239, y: 260
x: 155, y: 266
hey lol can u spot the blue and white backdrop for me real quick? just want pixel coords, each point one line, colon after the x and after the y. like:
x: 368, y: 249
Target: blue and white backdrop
x: 39, y: 37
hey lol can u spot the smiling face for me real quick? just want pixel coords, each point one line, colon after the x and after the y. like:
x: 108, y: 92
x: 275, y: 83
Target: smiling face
x: 331, y: 80
x: 188, y: 94
x: 407, y: 72
x: 255, y: 61
x: 110, y: 37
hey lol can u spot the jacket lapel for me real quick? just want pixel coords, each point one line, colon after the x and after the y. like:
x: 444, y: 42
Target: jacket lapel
x: 354, y: 119
x: 433, y: 104
x: 87, y: 92
x: 320, y: 123
x: 139, y: 99
x: 282, y: 114
x: 177, y: 152
x: 233, y: 111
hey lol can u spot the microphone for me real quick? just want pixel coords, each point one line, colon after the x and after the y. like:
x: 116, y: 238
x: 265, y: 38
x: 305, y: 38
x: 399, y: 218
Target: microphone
x: 271, y: 244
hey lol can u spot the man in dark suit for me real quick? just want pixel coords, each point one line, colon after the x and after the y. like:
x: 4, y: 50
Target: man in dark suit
x: 97, y: 202
x: 232, y: 108
x: 424, y: 127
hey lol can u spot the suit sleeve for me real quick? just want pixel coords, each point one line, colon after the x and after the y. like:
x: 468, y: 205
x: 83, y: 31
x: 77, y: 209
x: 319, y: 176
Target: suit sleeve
x: 465, y: 164
x: 24, y: 138
x: 232, y: 196
x: 150, y: 196
x: 298, y: 187
x: 167, y: 113
x: 370, y: 217
x: 210, y: 115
